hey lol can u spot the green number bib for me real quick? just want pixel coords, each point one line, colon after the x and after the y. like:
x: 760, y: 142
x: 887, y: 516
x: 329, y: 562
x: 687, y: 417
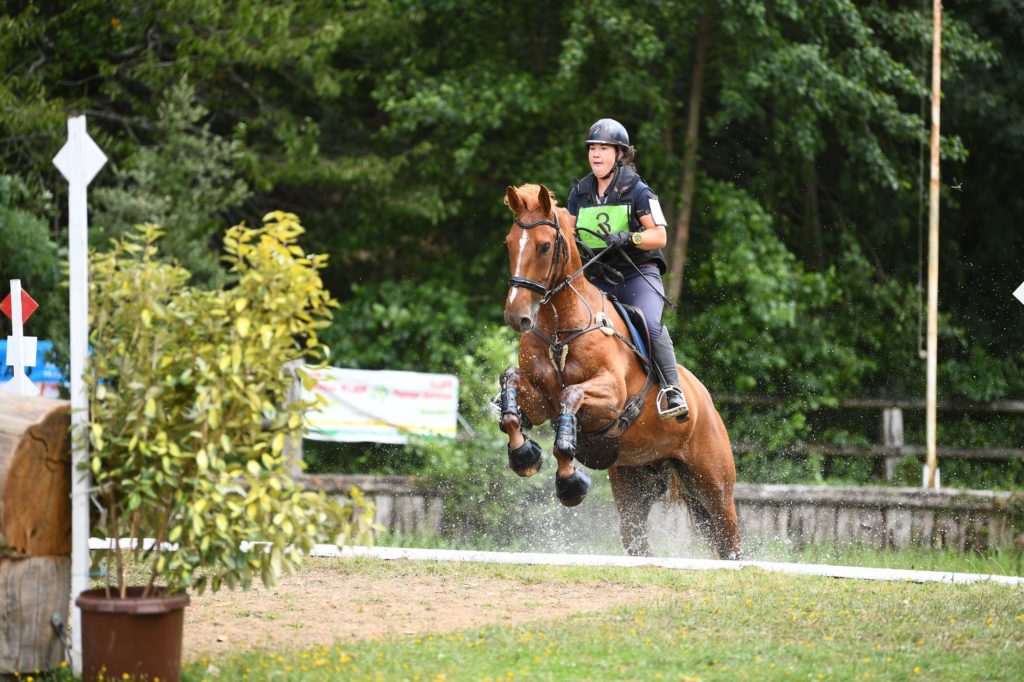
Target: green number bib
x: 599, y: 220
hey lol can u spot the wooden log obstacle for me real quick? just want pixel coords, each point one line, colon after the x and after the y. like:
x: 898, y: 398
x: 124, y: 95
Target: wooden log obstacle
x: 35, y: 531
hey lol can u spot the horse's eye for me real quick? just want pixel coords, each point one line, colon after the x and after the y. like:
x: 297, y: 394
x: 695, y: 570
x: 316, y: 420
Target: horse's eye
x: 544, y: 248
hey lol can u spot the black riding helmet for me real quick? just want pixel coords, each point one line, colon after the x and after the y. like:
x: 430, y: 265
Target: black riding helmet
x: 608, y: 131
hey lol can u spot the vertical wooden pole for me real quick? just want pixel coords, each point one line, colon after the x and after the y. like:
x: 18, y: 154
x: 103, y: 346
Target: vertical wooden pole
x: 933, y: 246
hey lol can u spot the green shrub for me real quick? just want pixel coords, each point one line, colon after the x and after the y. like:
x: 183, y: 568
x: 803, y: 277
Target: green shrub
x: 190, y: 413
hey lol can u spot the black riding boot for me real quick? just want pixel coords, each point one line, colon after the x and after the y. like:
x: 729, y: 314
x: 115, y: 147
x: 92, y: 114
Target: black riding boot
x: 664, y: 357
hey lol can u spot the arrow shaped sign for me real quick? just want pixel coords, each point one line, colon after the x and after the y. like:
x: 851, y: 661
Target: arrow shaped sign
x: 1019, y: 294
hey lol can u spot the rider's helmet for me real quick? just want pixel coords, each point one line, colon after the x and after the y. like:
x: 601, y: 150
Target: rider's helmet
x: 608, y: 131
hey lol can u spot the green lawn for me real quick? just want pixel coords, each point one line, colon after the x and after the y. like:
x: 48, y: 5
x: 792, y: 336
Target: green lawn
x: 728, y: 625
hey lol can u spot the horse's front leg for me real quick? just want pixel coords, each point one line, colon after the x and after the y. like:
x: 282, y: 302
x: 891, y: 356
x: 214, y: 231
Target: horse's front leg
x: 524, y: 455
x: 571, y: 484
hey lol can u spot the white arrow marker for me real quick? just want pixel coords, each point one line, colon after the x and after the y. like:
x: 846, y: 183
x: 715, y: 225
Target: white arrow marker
x: 1019, y: 294
x: 78, y: 161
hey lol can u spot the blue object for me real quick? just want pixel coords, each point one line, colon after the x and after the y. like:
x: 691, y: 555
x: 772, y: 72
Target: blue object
x: 639, y: 339
x: 42, y: 373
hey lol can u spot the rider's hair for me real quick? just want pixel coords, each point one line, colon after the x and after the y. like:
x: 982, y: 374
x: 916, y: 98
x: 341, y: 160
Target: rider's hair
x: 628, y: 157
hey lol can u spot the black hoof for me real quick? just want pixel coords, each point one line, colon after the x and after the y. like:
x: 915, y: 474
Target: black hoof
x: 526, y: 459
x: 572, y: 490
x: 565, y: 435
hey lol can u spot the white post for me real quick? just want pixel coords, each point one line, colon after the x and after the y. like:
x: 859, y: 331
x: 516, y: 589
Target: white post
x: 78, y: 161
x: 21, y: 349
x: 931, y: 466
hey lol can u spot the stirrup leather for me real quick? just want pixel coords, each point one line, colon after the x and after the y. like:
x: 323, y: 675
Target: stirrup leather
x: 670, y: 412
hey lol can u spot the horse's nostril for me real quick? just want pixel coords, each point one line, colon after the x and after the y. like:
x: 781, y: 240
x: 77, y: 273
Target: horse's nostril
x: 525, y: 323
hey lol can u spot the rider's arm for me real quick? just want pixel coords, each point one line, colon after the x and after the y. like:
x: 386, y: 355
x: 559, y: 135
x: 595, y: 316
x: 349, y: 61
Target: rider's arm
x: 653, y: 236
x: 652, y: 220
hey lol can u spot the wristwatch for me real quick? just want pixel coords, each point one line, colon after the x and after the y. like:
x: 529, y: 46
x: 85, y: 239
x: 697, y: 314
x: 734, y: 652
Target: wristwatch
x: 637, y: 238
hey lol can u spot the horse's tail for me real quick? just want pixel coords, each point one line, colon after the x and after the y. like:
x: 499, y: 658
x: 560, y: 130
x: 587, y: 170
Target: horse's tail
x: 675, y: 487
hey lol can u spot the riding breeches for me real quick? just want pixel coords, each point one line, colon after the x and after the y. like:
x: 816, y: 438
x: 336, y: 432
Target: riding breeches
x: 642, y: 291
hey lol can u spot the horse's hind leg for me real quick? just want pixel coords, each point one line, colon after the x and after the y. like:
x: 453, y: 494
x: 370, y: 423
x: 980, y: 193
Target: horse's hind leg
x: 635, y: 489
x: 713, y: 512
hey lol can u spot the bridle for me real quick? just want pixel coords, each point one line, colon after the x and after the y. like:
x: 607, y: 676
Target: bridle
x: 547, y: 289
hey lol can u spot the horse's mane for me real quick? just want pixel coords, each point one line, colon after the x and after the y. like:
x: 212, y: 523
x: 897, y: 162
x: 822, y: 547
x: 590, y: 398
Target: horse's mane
x: 529, y: 194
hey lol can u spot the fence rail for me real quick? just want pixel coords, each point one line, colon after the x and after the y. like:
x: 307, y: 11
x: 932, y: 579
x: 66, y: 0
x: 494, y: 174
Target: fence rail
x: 893, y: 447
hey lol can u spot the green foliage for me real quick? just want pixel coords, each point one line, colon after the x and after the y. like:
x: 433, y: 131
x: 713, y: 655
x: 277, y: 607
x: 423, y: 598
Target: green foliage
x: 186, y: 183
x: 190, y: 413
x: 395, y: 136
x: 405, y: 324
x: 30, y: 255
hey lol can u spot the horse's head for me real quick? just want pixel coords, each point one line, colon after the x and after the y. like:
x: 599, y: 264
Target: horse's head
x: 537, y: 253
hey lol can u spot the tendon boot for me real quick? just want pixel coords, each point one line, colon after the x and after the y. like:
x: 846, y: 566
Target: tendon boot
x: 664, y: 357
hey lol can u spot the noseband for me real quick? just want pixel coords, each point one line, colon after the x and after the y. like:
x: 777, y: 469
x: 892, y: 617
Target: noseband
x: 545, y: 290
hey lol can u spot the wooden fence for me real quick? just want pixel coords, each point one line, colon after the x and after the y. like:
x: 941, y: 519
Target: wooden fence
x: 794, y: 515
x: 893, y: 448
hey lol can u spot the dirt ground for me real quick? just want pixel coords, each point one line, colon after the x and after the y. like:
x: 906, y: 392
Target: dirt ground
x: 324, y: 606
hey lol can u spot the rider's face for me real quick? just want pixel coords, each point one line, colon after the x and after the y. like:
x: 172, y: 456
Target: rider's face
x: 602, y: 159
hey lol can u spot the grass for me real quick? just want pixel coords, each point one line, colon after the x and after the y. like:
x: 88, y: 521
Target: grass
x: 728, y: 625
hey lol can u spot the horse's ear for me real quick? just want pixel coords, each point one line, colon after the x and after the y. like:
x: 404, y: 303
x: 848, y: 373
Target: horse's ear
x: 514, y: 201
x: 545, y: 200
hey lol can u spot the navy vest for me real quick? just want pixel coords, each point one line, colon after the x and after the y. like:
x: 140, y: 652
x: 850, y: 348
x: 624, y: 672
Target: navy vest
x: 621, y: 192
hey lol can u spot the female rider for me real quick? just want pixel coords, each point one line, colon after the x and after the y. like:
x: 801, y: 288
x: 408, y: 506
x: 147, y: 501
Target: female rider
x: 616, y: 213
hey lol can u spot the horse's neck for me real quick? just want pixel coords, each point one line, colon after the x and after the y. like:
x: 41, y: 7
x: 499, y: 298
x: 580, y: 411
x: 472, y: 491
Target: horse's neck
x: 568, y: 304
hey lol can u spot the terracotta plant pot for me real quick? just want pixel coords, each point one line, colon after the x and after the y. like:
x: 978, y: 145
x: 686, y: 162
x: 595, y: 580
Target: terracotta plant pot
x: 138, y: 636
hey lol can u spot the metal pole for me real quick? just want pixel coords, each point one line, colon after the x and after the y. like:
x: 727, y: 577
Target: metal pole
x: 933, y: 247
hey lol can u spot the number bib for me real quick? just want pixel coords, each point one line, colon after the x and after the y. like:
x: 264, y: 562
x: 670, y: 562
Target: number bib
x: 595, y: 220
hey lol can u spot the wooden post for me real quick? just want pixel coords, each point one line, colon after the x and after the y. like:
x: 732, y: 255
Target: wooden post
x: 892, y: 437
x: 35, y: 531
x: 933, y: 249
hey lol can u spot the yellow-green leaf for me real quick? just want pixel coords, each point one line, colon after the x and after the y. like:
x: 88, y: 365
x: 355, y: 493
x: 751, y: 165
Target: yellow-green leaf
x: 240, y: 304
x: 243, y: 325
x: 254, y: 467
x: 202, y: 462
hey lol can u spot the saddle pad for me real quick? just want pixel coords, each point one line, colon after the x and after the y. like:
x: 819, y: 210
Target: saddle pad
x: 636, y: 322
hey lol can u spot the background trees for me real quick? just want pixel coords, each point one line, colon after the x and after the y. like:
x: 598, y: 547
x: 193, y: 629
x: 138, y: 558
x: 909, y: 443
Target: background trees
x: 392, y: 128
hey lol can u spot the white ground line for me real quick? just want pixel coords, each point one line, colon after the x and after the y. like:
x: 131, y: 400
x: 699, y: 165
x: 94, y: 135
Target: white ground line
x: 535, y: 559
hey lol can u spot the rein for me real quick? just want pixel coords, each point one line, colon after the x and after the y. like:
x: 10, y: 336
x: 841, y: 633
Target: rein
x: 547, y: 290
x: 558, y: 348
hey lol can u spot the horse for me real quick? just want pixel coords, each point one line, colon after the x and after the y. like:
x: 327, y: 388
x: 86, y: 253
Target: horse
x: 579, y: 370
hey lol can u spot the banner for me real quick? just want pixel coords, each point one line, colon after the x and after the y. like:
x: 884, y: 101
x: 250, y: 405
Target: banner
x: 381, y: 406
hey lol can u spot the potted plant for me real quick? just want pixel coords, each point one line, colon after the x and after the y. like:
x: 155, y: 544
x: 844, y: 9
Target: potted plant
x: 189, y: 420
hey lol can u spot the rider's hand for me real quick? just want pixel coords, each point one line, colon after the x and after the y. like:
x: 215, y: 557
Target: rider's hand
x: 616, y: 240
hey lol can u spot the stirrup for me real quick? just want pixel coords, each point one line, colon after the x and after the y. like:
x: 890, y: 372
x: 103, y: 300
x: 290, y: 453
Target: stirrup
x: 680, y: 412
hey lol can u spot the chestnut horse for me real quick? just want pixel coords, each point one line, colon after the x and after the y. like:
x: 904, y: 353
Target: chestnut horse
x: 578, y: 369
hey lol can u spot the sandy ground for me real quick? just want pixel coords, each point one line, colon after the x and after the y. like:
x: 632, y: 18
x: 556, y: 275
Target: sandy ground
x: 328, y: 607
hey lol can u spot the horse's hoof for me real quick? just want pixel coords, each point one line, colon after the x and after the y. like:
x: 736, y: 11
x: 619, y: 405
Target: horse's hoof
x: 525, y: 460
x: 572, y: 489
x: 565, y: 435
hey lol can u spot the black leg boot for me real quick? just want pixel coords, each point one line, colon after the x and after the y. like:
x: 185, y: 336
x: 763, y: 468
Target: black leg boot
x: 664, y: 356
